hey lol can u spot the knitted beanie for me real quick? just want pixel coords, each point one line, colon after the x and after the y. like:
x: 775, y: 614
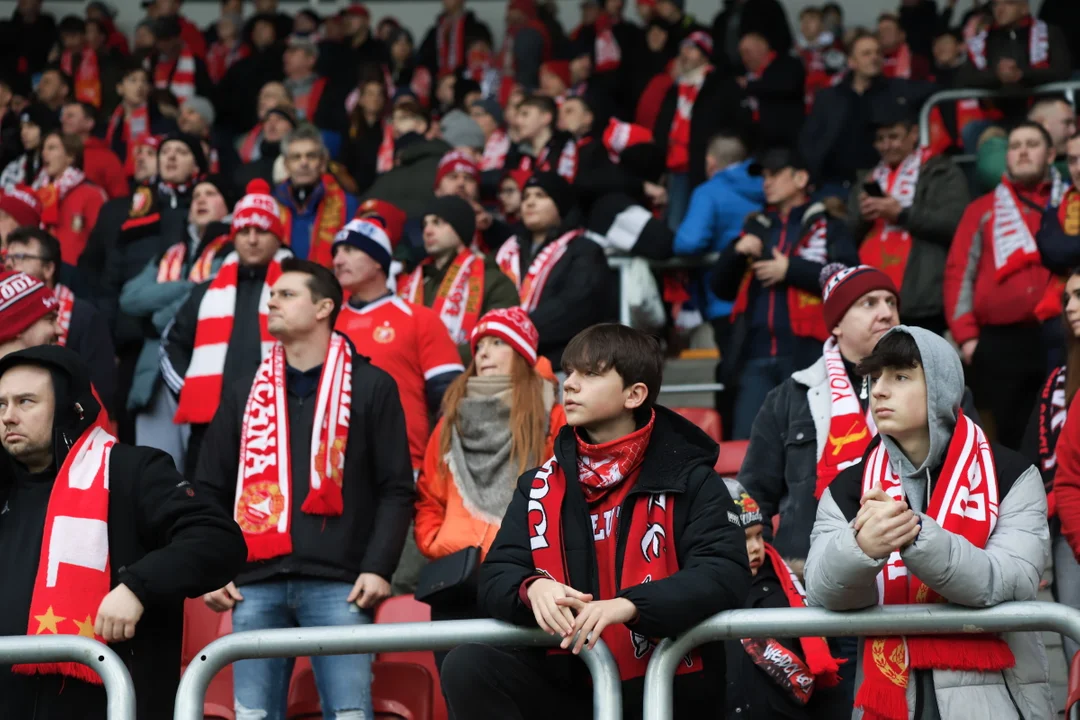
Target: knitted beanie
x: 513, y: 326
x: 456, y: 161
x: 458, y: 213
x: 23, y: 301
x: 745, y: 506
x: 258, y: 208
x: 842, y: 286
x: 369, y: 237
x: 701, y: 40
x: 22, y: 204
x: 393, y: 218
x: 556, y: 188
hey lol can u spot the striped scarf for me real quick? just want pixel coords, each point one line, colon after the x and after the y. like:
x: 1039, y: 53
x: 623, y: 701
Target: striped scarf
x: 177, y: 76
x: 66, y: 298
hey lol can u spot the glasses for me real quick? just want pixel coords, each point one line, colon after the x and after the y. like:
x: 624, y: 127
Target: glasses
x: 13, y: 258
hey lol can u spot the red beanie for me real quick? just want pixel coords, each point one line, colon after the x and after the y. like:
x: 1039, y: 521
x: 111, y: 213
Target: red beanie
x: 513, y: 326
x: 258, y: 208
x: 393, y: 218
x: 456, y: 161
x: 842, y: 286
x: 558, y: 68
x: 22, y: 204
x: 23, y: 301
x: 620, y: 135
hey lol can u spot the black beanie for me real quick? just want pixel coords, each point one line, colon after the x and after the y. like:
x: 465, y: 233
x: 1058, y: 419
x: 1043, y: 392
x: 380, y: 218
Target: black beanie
x: 225, y: 187
x: 458, y: 213
x: 194, y: 144
x: 556, y: 188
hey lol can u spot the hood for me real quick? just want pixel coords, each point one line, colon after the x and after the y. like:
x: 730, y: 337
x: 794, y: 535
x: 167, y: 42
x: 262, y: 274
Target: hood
x: 944, y: 393
x: 71, y: 383
x: 739, y: 180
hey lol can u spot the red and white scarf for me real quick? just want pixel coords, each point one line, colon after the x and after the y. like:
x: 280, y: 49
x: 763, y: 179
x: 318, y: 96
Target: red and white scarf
x: 889, y: 246
x: 220, y: 57
x: 678, y: 156
x: 264, y: 486
x: 850, y: 429
x: 460, y: 296
x: 1013, y: 238
x: 1053, y: 410
x: 134, y: 126
x: 898, y: 64
x: 384, y: 162
x: 1038, y: 45
x: 66, y: 300
x: 87, y: 77
x: 177, y: 76
x: 964, y: 501
x: 73, y: 575
x: 52, y: 192
x: 606, y: 48
x: 171, y: 266
x: 532, y: 287
x: 495, y: 150
x: 450, y: 43
x: 203, y: 381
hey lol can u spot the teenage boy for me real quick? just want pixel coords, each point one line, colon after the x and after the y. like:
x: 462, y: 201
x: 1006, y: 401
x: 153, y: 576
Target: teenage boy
x: 772, y: 274
x: 135, y: 118
x: 541, y: 147
x: 324, y: 510
x: 935, y: 513
x: 561, y: 559
x: 770, y: 677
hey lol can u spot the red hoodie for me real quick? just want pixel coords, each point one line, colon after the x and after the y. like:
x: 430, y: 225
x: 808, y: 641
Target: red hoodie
x: 103, y: 168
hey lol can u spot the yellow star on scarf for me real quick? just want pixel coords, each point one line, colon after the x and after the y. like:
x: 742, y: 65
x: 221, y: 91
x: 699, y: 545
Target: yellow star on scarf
x: 86, y: 628
x: 48, y: 621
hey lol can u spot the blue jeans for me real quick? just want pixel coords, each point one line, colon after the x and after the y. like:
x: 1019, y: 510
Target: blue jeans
x: 261, y: 686
x: 758, y: 377
x: 678, y: 193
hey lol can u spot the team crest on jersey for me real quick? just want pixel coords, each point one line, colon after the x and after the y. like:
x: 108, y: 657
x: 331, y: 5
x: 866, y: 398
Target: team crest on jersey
x: 383, y: 334
x: 140, y: 202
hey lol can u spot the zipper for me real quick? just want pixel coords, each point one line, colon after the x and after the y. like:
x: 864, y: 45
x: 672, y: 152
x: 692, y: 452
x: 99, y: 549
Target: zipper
x: 1012, y: 699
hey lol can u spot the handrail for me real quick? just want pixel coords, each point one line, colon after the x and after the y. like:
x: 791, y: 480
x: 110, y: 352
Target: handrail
x: 1066, y: 87
x: 691, y: 388
x: 815, y: 622
x: 119, y: 689
x: 391, y: 637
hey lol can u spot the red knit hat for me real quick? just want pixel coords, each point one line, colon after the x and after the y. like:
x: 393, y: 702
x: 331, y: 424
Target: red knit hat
x: 513, y: 326
x: 558, y: 68
x: 392, y: 216
x: 258, y: 208
x: 22, y: 204
x: 842, y: 286
x: 701, y: 40
x: 23, y: 301
x: 620, y: 135
x: 456, y: 161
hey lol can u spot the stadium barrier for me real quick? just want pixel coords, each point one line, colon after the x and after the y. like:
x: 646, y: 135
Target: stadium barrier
x: 814, y: 622
x: 391, y: 637
x: 621, y: 264
x: 119, y: 688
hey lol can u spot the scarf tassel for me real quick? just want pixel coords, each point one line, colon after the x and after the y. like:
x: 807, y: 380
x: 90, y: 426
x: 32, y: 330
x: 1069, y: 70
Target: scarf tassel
x: 977, y: 654
x: 323, y: 503
x: 268, y: 545
x: 71, y: 670
x: 882, y: 701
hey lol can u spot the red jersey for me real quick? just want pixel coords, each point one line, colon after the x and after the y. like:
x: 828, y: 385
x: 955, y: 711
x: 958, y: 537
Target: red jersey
x: 411, y: 343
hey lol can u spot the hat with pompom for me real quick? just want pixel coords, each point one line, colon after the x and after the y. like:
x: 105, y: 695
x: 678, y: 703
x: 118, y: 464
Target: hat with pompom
x: 842, y: 286
x: 513, y: 326
x: 259, y: 209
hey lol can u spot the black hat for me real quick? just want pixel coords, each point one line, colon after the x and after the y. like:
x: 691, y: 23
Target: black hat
x: 888, y: 114
x: 224, y: 186
x: 746, y: 512
x: 166, y: 27
x: 556, y: 188
x: 458, y: 213
x: 43, y: 117
x: 194, y: 144
x: 643, y: 161
x: 776, y: 159
x: 283, y: 111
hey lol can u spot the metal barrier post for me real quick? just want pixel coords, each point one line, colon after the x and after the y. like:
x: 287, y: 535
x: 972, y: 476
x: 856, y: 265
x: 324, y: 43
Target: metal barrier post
x: 814, y: 622
x: 392, y: 637
x: 119, y: 689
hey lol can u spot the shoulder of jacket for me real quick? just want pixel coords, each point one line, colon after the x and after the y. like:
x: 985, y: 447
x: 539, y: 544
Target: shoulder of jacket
x: 1010, y: 466
x: 846, y: 490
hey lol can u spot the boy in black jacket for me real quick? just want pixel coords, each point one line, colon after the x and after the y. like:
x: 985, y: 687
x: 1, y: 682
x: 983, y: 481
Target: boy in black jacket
x: 624, y: 534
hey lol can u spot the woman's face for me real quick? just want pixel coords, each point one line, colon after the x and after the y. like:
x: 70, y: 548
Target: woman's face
x: 31, y: 136
x: 401, y: 50
x: 53, y: 156
x: 372, y: 98
x: 1072, y: 304
x: 494, y: 357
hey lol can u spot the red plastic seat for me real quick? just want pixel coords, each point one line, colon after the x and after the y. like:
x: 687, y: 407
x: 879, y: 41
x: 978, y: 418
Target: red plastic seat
x: 402, y: 691
x: 200, y: 629
x: 705, y: 418
x: 731, y: 457
x: 1072, y: 703
x: 405, y: 608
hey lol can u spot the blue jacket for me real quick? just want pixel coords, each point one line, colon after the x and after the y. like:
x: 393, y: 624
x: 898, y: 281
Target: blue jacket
x: 718, y: 209
x: 303, y: 219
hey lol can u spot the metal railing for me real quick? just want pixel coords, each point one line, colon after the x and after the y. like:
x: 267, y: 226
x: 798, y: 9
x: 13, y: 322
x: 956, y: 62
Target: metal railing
x: 1067, y: 88
x: 691, y: 388
x: 391, y: 637
x: 119, y: 688
x: 815, y: 622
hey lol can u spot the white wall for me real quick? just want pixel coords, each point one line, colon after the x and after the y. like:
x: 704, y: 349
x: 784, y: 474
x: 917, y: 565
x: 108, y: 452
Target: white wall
x: 417, y: 15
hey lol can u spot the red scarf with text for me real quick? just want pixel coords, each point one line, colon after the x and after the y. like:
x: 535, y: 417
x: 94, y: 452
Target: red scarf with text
x: 134, y: 126
x: 650, y: 554
x: 850, y: 429
x: 606, y: 48
x: 87, y: 77
x: 964, y: 501
x: 171, y: 266
x: 1038, y: 45
x: 51, y: 192
x: 1013, y: 238
x: 264, y: 483
x: 495, y: 150
x: 73, y: 574
x: 889, y: 246
x: 450, y: 43
x: 328, y: 220
x: 678, y: 154
x: 177, y: 76
x: 1052, y: 413
x: 460, y: 295
x: 66, y: 300
x: 201, y: 393
x: 532, y: 287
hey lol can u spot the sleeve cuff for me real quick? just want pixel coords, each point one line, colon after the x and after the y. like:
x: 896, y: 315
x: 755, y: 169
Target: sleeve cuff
x: 523, y: 591
x: 134, y: 584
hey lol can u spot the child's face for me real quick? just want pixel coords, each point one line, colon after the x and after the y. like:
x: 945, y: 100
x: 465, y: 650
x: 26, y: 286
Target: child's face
x: 594, y: 398
x: 810, y: 25
x: 898, y: 401
x: 755, y: 547
x: 134, y: 88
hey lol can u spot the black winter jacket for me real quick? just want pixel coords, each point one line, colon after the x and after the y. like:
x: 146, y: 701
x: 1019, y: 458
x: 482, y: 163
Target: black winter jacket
x: 714, y: 574
x: 780, y: 95
x: 377, y: 489
x: 166, y: 542
x: 89, y: 336
x: 765, y: 17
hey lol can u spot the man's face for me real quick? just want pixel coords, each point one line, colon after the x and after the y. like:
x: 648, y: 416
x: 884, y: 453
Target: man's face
x: 614, y: 8
x: 453, y: 6
x: 667, y: 10
x: 298, y: 63
x: 305, y: 162
x: 895, y: 143
x: 783, y: 185
x: 255, y: 247
x: 1028, y: 158
x: 304, y: 24
x: 404, y: 123
x: 755, y: 547
x: 265, y: 6
x: 8, y: 225
x: 28, y: 257
x: 810, y: 26
x: 531, y: 121
x: 1059, y: 120
x: 356, y: 23
x: 176, y: 162
x: 292, y: 312
x: 263, y: 34
x: 462, y: 184
x: 51, y: 89
x: 207, y: 205
x: 1072, y: 154
x: 275, y: 128
x: 191, y: 122
x: 27, y: 406
x: 592, y: 398
x: 538, y: 211
x: 575, y: 118
x: 691, y: 57
x: 889, y: 35
x: 95, y: 38
x: 73, y: 42
x: 440, y: 239
x: 589, y: 12
x: 54, y: 157
x: 271, y: 95
x: 946, y: 51
x: 865, y: 58
x: 872, y: 315
x: 898, y: 401
x: 444, y: 89
x: 1072, y: 304
x: 580, y: 69
x: 74, y: 121
x: 754, y: 51
x: 146, y: 162
x: 354, y: 268
x: 483, y: 119
x: 134, y: 89
x: 1007, y: 12
x: 510, y: 197
x: 551, y: 84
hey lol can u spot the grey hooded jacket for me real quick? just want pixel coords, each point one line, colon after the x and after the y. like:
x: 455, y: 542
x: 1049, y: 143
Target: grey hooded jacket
x: 840, y: 576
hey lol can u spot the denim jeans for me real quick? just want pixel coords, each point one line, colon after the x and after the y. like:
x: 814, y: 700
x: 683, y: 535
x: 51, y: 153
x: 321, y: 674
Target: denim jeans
x: 758, y: 377
x: 261, y: 686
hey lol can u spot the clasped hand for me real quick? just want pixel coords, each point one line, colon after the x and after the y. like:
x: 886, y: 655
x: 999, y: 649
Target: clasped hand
x: 560, y: 609
x: 884, y: 524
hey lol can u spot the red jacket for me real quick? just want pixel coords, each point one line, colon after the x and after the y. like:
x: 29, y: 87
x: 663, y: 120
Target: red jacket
x: 192, y: 35
x: 1065, y: 497
x: 103, y: 168
x: 973, y: 295
x: 78, y: 214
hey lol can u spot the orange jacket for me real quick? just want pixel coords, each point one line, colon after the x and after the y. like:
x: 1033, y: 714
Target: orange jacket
x: 443, y: 525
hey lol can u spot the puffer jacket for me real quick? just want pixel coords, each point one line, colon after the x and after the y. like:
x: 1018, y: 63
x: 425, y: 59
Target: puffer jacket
x: 840, y: 576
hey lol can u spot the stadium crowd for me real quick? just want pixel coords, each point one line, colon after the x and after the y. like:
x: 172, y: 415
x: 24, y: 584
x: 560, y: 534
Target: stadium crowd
x: 318, y: 247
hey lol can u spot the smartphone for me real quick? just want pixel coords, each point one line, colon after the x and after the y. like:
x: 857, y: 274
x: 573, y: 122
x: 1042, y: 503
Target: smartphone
x: 872, y: 189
